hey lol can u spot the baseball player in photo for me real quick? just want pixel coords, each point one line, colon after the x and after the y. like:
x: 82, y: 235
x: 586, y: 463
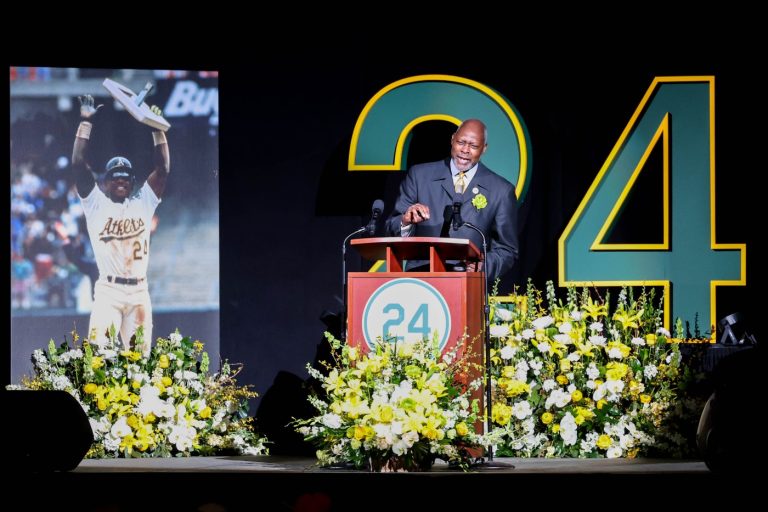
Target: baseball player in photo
x: 119, y: 219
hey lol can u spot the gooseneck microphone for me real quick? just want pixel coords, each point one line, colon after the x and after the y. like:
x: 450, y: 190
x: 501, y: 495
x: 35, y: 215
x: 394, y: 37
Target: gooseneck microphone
x: 370, y: 229
x: 457, y: 220
x: 376, y: 209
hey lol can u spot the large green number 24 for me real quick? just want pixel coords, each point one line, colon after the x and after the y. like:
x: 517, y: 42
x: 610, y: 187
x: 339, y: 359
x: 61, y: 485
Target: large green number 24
x: 677, y: 112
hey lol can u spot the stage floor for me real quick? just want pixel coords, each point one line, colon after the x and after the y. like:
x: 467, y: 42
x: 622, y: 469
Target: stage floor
x: 219, y: 484
x: 277, y: 464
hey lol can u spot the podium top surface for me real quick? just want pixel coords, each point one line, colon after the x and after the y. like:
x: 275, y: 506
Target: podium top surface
x: 417, y: 248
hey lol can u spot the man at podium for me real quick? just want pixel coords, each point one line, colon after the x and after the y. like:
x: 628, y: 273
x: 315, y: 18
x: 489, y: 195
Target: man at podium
x: 433, y: 196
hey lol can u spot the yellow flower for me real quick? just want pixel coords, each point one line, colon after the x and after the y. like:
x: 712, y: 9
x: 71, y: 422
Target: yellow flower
x: 576, y: 396
x: 167, y: 381
x: 628, y: 319
x: 164, y: 361
x: 615, y: 370
x: 604, y: 442
x: 502, y: 413
x: 479, y: 201
x: 601, y: 403
x: 556, y: 428
x: 646, y: 399
x: 562, y: 380
x: 90, y: 388
x: 650, y: 339
x: 547, y: 418
x: 97, y: 362
x: 462, y: 429
x: 206, y: 412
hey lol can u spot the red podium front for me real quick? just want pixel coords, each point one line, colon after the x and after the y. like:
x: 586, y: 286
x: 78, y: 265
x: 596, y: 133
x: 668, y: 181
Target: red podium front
x: 413, y: 305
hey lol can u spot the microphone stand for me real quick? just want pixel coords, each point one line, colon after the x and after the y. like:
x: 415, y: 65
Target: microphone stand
x: 344, y: 281
x: 486, y: 338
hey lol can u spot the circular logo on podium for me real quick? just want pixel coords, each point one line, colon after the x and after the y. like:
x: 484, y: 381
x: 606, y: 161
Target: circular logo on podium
x: 406, y: 309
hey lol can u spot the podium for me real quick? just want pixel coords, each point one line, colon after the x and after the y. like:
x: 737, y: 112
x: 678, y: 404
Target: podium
x: 414, y: 305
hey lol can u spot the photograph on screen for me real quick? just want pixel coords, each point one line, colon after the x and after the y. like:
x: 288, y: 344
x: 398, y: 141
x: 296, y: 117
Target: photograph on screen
x: 114, y: 208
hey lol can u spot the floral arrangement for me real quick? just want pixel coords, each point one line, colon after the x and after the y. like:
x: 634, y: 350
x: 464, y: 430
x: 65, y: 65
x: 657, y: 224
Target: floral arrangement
x: 580, y: 380
x: 160, y: 405
x: 479, y: 201
x: 396, y: 408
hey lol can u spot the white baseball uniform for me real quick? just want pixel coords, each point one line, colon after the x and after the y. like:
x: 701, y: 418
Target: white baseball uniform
x: 119, y: 235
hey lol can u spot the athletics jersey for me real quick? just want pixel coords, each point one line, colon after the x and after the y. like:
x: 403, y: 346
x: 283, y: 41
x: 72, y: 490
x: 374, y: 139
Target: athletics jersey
x: 119, y: 232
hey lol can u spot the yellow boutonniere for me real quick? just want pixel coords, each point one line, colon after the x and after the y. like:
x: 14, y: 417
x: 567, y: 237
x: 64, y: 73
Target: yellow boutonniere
x: 479, y: 201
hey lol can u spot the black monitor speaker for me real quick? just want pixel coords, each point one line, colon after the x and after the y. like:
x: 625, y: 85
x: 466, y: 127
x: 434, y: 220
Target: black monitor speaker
x: 52, y: 432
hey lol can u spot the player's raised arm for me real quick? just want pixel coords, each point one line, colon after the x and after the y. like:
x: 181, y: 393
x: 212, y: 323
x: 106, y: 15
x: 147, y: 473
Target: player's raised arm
x: 162, y: 160
x: 84, y: 180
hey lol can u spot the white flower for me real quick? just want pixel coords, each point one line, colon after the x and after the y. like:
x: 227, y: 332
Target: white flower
x: 597, y: 340
x: 507, y: 352
x: 615, y: 353
x: 528, y: 334
x: 565, y: 327
x: 664, y: 332
x: 521, y: 409
x: 559, y: 398
x: 499, y: 331
x: 568, y: 429
x: 504, y: 315
x: 576, y: 315
x: 596, y: 326
x: 638, y: 341
x: 650, y: 371
x: 543, y: 322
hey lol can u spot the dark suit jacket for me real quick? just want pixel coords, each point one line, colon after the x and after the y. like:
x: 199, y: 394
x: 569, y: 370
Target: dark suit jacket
x: 431, y: 184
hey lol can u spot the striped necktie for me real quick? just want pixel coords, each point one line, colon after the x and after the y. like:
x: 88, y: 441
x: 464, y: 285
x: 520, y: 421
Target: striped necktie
x: 460, y: 183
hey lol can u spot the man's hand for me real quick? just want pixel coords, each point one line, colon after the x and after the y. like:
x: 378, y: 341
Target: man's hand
x: 415, y: 213
x: 87, y: 110
x: 474, y: 266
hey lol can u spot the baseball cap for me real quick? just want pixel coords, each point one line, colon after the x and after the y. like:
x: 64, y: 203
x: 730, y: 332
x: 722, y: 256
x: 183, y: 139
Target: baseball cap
x: 119, y: 167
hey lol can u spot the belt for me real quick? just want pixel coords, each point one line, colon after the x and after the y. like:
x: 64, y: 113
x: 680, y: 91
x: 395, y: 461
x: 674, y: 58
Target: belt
x: 125, y: 280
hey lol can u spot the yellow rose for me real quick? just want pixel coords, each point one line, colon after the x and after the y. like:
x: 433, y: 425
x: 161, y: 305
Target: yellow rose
x: 462, y: 429
x: 604, y: 442
x: 164, y: 362
x: 576, y: 396
x: 90, y: 388
x: 547, y: 418
x: 644, y: 398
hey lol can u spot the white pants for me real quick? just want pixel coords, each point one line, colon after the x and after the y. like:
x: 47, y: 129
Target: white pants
x: 124, y: 306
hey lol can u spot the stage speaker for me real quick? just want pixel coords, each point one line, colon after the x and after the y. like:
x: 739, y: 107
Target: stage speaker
x: 52, y: 432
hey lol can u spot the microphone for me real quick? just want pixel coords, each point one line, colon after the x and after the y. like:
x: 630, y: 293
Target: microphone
x: 376, y: 209
x: 457, y: 220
